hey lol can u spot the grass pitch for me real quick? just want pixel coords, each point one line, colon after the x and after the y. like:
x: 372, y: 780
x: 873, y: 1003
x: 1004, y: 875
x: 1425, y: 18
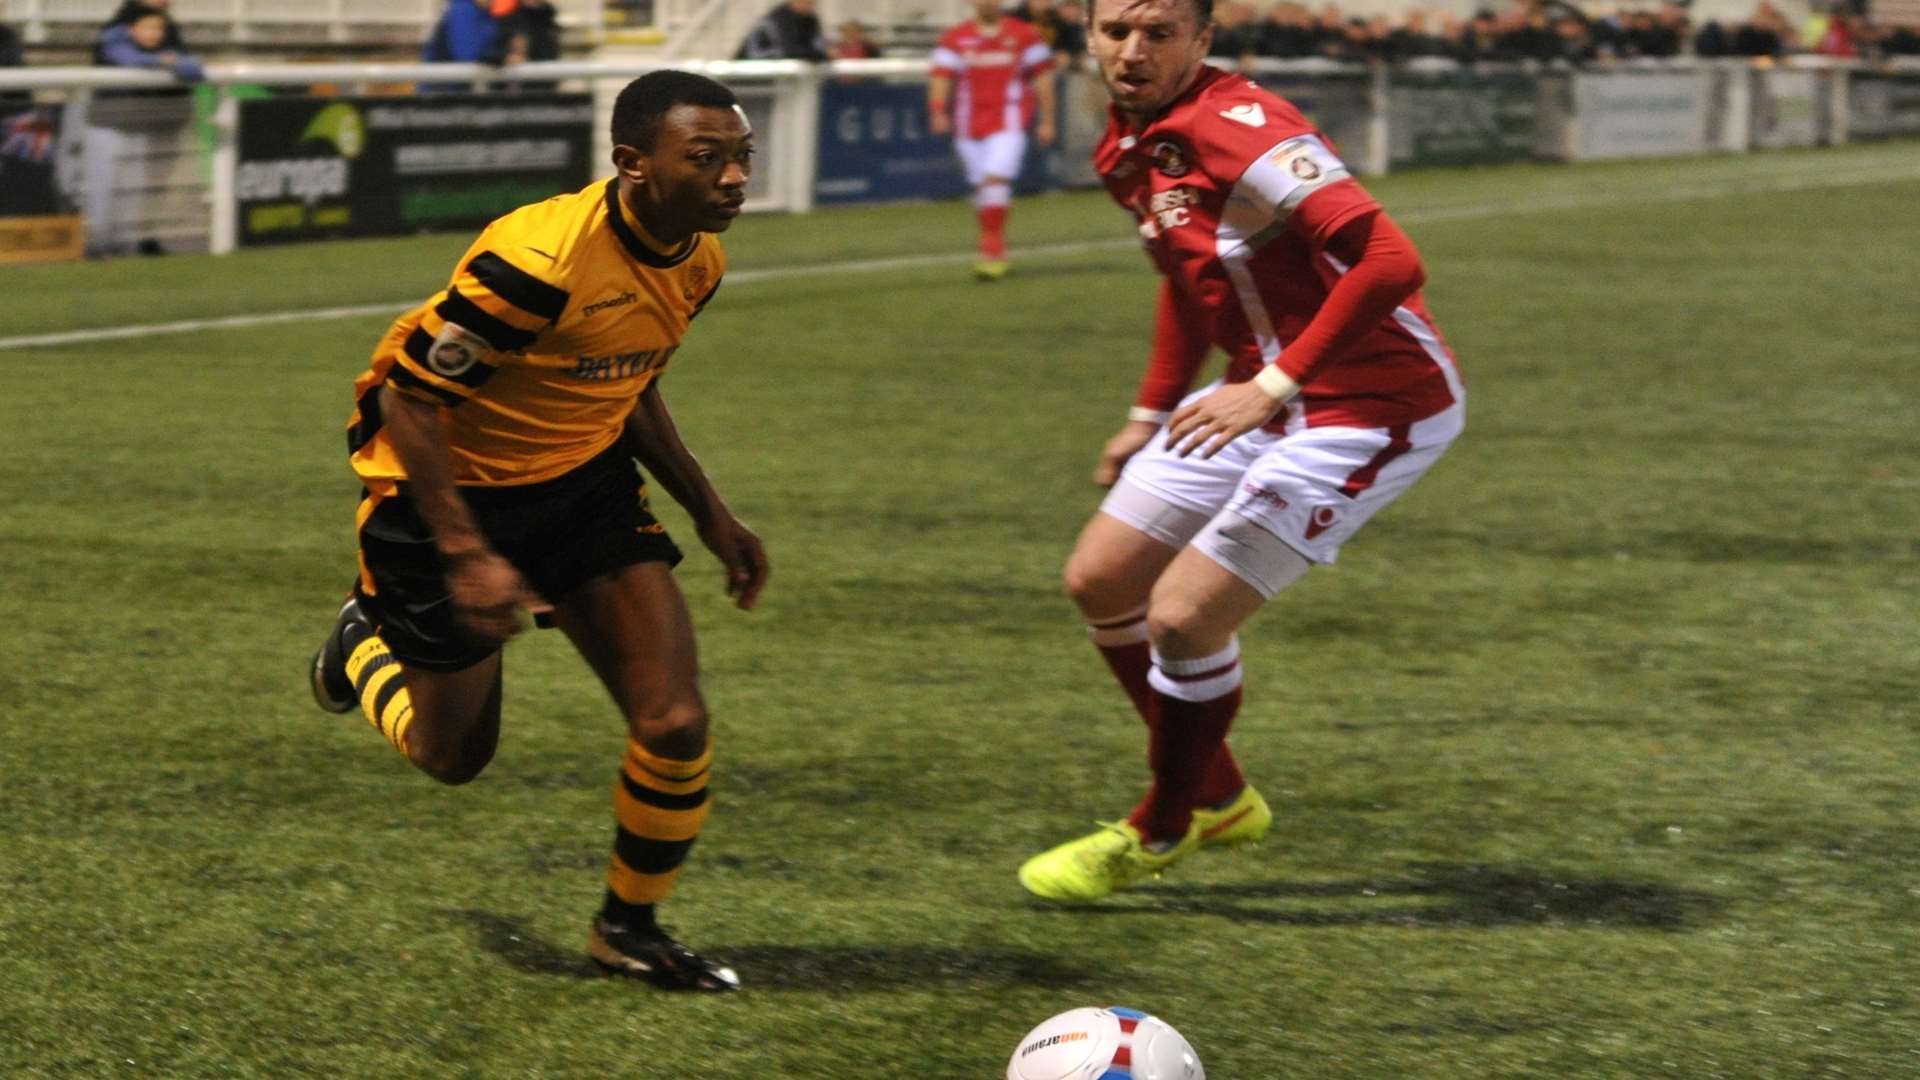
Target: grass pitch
x: 1593, y: 757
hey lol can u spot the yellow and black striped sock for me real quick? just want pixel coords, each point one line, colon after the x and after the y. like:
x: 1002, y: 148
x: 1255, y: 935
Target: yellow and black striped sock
x: 660, y: 804
x: 381, y: 685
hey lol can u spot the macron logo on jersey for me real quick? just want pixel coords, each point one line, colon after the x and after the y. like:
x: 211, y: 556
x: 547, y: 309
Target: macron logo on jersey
x: 1250, y: 114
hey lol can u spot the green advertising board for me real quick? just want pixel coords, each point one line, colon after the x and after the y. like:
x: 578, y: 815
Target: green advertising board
x: 1461, y: 118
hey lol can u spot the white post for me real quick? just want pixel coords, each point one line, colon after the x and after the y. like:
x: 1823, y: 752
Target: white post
x: 796, y: 111
x: 1839, y: 105
x: 226, y: 172
x: 1379, y: 128
x: 1736, y: 126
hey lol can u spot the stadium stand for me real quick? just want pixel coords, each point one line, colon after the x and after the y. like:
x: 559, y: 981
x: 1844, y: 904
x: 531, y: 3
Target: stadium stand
x: 55, y: 31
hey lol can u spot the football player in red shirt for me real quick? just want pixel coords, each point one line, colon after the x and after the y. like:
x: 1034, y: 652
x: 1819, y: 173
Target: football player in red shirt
x: 991, y: 77
x: 1339, y: 393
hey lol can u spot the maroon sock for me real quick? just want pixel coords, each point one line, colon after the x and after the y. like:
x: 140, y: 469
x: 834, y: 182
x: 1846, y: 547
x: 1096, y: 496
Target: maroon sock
x: 1182, y: 751
x: 1129, y: 664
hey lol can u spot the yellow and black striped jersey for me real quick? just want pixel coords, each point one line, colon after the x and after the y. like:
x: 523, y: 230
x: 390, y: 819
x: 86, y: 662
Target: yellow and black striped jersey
x: 570, y: 310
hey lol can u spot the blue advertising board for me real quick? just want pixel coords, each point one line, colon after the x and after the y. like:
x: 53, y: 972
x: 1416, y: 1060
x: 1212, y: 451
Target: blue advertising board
x: 875, y: 147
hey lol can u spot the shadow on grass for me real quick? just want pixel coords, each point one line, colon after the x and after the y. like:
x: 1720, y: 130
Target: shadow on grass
x: 849, y: 968
x: 1457, y: 896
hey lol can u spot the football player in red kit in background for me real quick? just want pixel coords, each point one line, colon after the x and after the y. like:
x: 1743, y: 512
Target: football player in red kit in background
x: 991, y: 77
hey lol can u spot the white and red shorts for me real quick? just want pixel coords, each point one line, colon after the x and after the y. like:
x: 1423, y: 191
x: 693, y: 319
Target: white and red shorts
x: 999, y: 154
x: 1309, y: 488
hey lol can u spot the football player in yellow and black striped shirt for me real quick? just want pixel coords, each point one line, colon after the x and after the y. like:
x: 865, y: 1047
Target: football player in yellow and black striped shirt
x: 496, y: 433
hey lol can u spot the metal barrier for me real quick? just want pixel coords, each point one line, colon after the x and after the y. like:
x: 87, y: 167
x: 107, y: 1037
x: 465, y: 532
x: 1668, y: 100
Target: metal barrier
x: 153, y: 170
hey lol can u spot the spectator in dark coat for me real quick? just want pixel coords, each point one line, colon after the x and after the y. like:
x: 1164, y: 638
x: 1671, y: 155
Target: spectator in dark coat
x: 525, y: 30
x: 1064, y: 36
x: 11, y: 55
x: 10, y: 51
x: 791, y: 31
x: 1289, y: 33
x: 1236, y: 31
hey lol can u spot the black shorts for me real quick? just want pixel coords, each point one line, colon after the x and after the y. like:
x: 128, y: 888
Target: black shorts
x: 558, y: 533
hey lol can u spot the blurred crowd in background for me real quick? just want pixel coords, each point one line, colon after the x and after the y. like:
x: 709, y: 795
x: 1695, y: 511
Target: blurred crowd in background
x: 1548, y: 31
x: 143, y: 33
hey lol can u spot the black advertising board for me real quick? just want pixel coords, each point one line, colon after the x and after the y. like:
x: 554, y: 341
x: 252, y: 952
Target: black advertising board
x: 29, y: 137
x: 323, y: 168
x: 36, y: 222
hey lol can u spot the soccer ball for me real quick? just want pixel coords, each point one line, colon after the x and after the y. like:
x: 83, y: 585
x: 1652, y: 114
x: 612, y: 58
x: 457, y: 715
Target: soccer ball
x: 1104, y: 1044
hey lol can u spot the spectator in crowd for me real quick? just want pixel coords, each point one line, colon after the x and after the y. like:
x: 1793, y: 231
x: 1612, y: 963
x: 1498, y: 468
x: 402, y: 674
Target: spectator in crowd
x: 853, y: 43
x: 791, y: 31
x: 1062, y: 34
x: 1576, y: 40
x: 1236, y: 32
x: 1534, y: 39
x: 11, y: 55
x: 1842, y: 39
x: 525, y: 30
x: 140, y: 42
x: 1814, y: 28
x: 1765, y: 33
x: 1669, y: 33
x: 10, y: 51
x: 1289, y: 33
x: 1902, y: 41
x: 1480, y: 38
x: 129, y: 10
x: 1712, y: 40
x: 1412, y: 40
x: 465, y: 33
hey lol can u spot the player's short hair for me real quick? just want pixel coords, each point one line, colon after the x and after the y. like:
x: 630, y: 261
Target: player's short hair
x: 642, y: 102
x: 1202, y: 8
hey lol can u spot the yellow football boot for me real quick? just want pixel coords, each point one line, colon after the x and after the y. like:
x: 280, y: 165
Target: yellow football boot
x: 1242, y: 821
x: 991, y: 269
x: 1097, y: 864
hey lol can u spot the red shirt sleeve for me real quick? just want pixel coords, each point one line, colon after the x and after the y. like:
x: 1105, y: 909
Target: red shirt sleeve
x: 1180, y: 347
x: 1382, y: 271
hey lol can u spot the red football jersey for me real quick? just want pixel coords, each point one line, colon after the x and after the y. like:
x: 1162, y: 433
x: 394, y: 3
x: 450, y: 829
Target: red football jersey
x: 1236, y: 195
x: 990, y: 73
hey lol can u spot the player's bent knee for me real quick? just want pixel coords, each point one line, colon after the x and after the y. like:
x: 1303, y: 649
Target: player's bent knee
x: 453, y: 768
x: 678, y: 731
x: 1084, y: 582
x: 1176, y: 624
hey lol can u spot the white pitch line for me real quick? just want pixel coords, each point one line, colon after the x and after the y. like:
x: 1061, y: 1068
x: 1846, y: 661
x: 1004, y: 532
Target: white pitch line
x: 1544, y: 204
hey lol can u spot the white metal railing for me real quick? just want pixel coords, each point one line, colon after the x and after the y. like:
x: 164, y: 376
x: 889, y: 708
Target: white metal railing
x: 787, y: 96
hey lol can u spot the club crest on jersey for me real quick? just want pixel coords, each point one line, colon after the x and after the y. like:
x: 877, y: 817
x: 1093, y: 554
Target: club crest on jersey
x: 1296, y: 156
x: 1169, y: 158
x: 696, y: 283
x: 455, y: 351
x: 1250, y: 114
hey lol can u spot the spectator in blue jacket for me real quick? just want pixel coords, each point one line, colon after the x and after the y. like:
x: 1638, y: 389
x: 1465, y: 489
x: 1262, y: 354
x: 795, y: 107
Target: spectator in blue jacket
x: 141, y: 42
x: 464, y: 34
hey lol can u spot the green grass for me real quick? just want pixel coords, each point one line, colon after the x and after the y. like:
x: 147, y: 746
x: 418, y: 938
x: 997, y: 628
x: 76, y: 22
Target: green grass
x: 1593, y: 756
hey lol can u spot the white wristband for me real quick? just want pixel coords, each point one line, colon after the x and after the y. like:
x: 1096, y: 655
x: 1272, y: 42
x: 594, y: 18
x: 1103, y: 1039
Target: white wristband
x: 1275, y: 382
x: 1148, y: 416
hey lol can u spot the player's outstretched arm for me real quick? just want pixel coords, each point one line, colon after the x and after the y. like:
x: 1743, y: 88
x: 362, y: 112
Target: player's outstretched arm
x: 487, y: 591
x: 654, y: 440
